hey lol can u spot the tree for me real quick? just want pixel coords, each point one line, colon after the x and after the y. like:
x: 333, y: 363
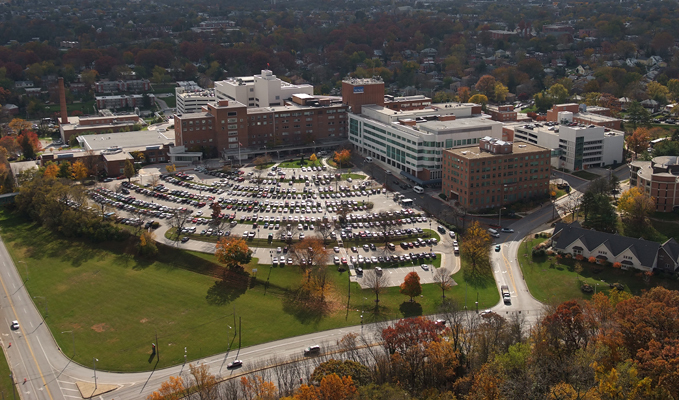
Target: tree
x: 79, y: 171
x: 10, y: 144
x: 411, y: 285
x: 635, y: 206
x: 309, y: 253
x: 377, y: 283
x: 486, y: 85
x: 475, y: 248
x: 178, y: 221
x: 159, y: 75
x: 479, y: 99
x: 657, y: 92
x: 313, y: 158
x: 216, y: 210
x: 172, y: 389
x: 332, y: 387
x: 673, y: 87
x: 342, y: 157
x: 203, y: 382
x: 170, y: 168
x: 261, y: 161
x: 464, y: 93
x: 443, y: 280
x: 256, y: 388
x: 408, y: 333
x: 638, y: 115
x: 233, y: 252
x: 19, y: 125
x: 638, y: 141
x: 147, y: 244
x: 558, y: 93
x: 358, y: 372
x: 500, y: 92
x: 51, y: 170
x: 30, y: 144
x: 129, y: 170
x: 65, y: 170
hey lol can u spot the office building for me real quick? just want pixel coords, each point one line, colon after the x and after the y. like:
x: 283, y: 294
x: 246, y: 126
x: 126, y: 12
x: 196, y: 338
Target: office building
x: 574, y: 146
x: 495, y: 173
x: 136, y: 85
x: 263, y: 90
x: 411, y: 141
x: 191, y: 98
x: 583, y: 114
x: 658, y: 178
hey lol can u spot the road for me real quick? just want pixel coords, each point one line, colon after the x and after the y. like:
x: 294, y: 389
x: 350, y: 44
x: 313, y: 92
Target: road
x: 49, y: 374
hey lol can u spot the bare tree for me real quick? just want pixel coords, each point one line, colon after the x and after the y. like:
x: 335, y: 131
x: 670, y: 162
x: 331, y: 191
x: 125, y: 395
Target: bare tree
x: 155, y: 180
x: 287, y: 233
x: 443, y: 280
x: 308, y: 254
x: 140, y: 215
x: 324, y: 229
x: 570, y: 205
x: 376, y: 282
x: 178, y: 222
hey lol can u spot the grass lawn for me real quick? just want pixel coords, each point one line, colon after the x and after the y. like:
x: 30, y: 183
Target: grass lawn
x: 667, y: 229
x: 554, y: 284
x: 665, y: 216
x: 6, y: 384
x: 265, y: 166
x: 85, y: 107
x: 353, y: 176
x: 586, y: 175
x: 332, y: 163
x: 116, y: 303
x: 170, y: 101
x: 296, y: 164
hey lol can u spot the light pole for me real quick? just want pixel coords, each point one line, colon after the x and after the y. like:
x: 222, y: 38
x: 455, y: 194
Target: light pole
x: 94, y: 361
x: 595, y: 286
x: 73, y: 338
x: 26, y: 267
x: 499, y: 216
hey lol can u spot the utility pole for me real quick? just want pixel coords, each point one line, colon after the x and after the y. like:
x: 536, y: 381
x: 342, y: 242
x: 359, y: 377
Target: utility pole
x: 240, y: 326
x: 157, y: 347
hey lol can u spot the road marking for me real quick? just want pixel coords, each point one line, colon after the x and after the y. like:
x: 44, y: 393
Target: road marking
x: 11, y: 304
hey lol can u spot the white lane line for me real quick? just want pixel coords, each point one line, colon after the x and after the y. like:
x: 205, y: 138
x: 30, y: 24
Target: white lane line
x: 75, y: 397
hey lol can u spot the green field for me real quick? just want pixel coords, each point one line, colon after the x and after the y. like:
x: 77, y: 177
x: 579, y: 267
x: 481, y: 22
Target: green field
x: 353, y: 176
x: 87, y: 107
x: 553, y: 283
x: 6, y: 384
x: 116, y: 303
x: 297, y: 164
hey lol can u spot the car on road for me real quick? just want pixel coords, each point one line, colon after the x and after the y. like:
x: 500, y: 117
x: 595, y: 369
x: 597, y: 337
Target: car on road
x: 15, y: 325
x: 507, y: 230
x: 425, y: 267
x: 315, y: 349
x: 387, y: 172
x: 234, y: 364
x: 185, y: 239
x: 497, y: 248
x: 486, y: 313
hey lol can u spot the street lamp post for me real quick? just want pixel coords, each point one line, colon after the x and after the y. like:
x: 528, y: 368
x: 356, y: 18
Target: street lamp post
x: 73, y: 338
x: 94, y: 361
x: 26, y: 267
x: 499, y: 216
x: 47, y: 311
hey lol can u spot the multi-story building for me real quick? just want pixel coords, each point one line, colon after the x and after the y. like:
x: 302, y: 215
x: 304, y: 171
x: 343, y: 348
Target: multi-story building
x: 411, y: 141
x: 99, y: 124
x: 191, y: 98
x: 232, y: 129
x: 137, y: 86
x: 122, y: 101
x: 495, y: 173
x: 574, y: 147
x: 505, y: 113
x: 582, y: 114
x: 658, y: 178
x: 264, y: 90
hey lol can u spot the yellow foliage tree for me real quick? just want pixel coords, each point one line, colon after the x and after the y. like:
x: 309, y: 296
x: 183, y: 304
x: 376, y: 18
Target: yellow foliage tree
x: 79, y: 171
x: 257, y: 388
x: 500, y: 92
x: 313, y: 158
x: 233, y: 252
x: 475, y: 247
x: 635, y: 205
x: 18, y: 125
x: 479, y: 99
x: 332, y: 387
x: 639, y: 140
x: 170, y: 168
x: 342, y: 157
x: 51, y: 171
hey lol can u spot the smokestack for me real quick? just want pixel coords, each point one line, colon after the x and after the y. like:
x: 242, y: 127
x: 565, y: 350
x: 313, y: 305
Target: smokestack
x: 62, y: 101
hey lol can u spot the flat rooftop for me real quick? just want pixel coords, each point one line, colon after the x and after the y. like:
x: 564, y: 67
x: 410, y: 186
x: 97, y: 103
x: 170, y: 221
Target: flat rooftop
x: 473, y: 152
x: 127, y: 140
x: 473, y: 123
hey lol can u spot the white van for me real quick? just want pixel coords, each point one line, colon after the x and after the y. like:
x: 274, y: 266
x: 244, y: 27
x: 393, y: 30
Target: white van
x: 418, y: 189
x: 368, y: 159
x: 493, y: 233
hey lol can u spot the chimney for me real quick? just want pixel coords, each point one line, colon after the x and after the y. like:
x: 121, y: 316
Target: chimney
x: 62, y: 101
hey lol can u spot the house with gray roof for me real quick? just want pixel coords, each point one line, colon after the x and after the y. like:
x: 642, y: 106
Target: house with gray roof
x: 640, y: 254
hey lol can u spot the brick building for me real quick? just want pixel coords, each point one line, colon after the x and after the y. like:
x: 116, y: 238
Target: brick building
x: 495, y: 173
x: 582, y: 114
x: 502, y: 113
x: 658, y: 178
x: 136, y: 85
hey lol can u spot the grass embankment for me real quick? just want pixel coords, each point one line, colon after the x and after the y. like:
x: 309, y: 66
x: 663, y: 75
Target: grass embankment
x: 116, y: 303
x: 353, y: 176
x: 553, y: 283
x: 586, y: 175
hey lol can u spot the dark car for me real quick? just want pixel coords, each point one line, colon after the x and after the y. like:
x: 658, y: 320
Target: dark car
x: 185, y: 239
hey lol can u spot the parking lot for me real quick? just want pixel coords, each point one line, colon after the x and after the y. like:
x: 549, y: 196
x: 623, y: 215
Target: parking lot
x: 396, y: 276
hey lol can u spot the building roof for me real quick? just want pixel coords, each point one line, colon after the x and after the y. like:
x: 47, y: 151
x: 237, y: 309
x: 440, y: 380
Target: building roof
x: 122, y: 156
x: 126, y: 140
x: 645, y: 250
x: 439, y: 127
x: 473, y: 151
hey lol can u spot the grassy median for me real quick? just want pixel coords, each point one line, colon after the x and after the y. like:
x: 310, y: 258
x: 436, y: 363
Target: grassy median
x: 116, y: 303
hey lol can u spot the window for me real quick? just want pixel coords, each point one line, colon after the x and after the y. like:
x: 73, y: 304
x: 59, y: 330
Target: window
x: 233, y: 139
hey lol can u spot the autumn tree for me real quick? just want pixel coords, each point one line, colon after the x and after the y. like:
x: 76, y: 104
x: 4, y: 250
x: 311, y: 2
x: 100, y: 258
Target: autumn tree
x: 65, y: 170
x: 638, y: 141
x: 261, y: 161
x: 51, y: 170
x: 79, y: 171
x: 19, y: 125
x: 657, y: 91
x: 233, y: 252
x: 411, y: 285
x: 172, y: 389
x: 256, y: 388
x: 358, y: 372
x: 376, y: 282
x: 216, y: 210
x: 475, y: 248
x: 129, y: 170
x: 558, y: 93
x: 147, y: 244
x: 311, y: 256
x: 313, y: 158
x: 331, y: 387
x: 486, y: 85
x: 463, y: 93
x: 170, y: 168
x: 29, y: 143
x: 342, y: 157
x: 178, y: 221
x: 500, y: 92
x: 479, y: 99
x: 202, y: 382
x: 10, y: 144
x: 443, y: 280
x: 635, y: 206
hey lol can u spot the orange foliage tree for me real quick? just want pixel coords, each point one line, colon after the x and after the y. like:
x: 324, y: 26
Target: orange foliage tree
x: 639, y: 140
x: 233, y: 252
x: 411, y: 285
x: 256, y: 388
x: 332, y: 387
x: 172, y: 389
x: 342, y: 157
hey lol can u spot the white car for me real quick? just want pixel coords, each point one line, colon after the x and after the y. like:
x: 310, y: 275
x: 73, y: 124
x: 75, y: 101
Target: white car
x: 234, y: 364
x: 15, y: 325
x: 336, y: 260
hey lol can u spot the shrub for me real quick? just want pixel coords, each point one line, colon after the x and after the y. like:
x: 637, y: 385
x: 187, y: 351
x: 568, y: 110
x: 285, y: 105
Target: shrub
x: 538, y: 252
x: 617, y: 265
x: 550, y: 252
x: 618, y: 286
x: 579, y: 257
x: 587, y: 288
x: 592, y: 260
x: 569, y: 256
x: 443, y: 196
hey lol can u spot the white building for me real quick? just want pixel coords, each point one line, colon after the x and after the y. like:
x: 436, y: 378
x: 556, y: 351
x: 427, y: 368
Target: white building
x: 191, y: 98
x: 574, y: 146
x: 412, y: 141
x: 264, y: 90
